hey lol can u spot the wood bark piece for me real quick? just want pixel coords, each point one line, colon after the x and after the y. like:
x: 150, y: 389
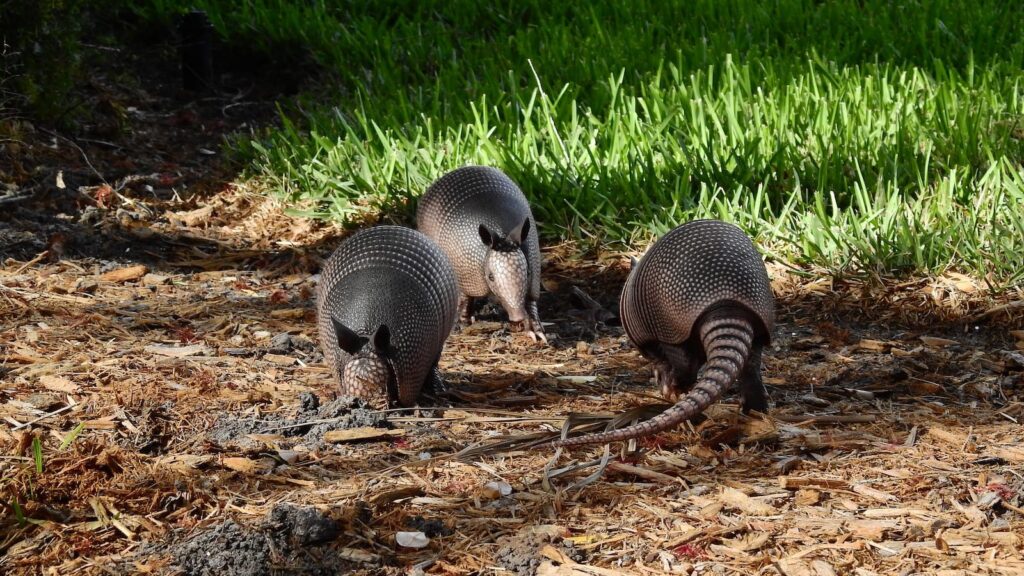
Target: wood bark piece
x: 362, y: 433
x: 125, y: 274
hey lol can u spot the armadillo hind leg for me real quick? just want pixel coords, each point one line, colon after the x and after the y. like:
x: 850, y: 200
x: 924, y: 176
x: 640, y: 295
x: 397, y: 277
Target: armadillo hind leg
x: 534, y: 329
x: 435, y: 383
x: 750, y: 384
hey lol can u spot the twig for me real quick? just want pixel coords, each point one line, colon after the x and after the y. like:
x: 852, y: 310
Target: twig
x: 43, y: 417
x: 80, y: 151
x: 33, y: 261
x: 826, y: 418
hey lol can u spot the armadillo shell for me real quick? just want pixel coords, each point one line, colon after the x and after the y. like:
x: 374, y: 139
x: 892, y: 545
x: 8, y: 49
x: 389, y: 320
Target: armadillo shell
x: 694, y: 267
x: 394, y: 276
x: 456, y: 204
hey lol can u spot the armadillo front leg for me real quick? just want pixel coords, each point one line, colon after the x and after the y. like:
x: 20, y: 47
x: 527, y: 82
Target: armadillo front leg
x: 750, y: 384
x: 534, y: 328
x: 466, y: 308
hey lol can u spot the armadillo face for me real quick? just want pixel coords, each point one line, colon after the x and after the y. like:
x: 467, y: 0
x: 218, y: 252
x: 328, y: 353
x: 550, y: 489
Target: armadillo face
x: 508, y: 277
x: 367, y: 376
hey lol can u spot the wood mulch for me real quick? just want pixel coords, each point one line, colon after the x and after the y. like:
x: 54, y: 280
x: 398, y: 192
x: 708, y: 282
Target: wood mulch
x: 158, y: 367
x: 894, y: 445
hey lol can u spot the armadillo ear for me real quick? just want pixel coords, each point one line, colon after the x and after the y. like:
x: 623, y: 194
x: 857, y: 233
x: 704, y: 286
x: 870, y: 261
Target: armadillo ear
x: 520, y: 232
x: 381, y: 338
x: 487, y: 237
x: 632, y: 262
x: 348, y: 340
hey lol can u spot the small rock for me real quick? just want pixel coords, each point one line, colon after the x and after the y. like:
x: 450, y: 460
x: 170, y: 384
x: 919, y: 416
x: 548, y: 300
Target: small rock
x: 302, y: 525
x: 412, y: 539
x: 86, y: 285
x: 280, y: 344
x: 155, y: 279
x: 308, y: 402
x: 44, y: 401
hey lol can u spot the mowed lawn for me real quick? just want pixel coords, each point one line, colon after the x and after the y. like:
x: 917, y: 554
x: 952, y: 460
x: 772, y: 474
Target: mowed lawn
x: 863, y: 137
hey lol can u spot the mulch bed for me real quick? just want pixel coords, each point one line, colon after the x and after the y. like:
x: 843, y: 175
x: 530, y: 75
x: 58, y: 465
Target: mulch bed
x: 164, y: 407
x: 182, y: 409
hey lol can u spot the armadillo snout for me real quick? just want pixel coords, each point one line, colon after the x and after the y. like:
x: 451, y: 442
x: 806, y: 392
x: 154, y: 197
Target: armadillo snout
x: 507, y: 275
x: 366, y: 376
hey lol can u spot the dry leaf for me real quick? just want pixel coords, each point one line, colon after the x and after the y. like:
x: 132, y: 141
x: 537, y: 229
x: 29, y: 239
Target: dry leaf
x: 748, y: 542
x: 807, y: 497
x: 191, y: 218
x: 746, y: 504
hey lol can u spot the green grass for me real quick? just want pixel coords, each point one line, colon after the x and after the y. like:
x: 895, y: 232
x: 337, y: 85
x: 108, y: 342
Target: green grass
x: 866, y: 137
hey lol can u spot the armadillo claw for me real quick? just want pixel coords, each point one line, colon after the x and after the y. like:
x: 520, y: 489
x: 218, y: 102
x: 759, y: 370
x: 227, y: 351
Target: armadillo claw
x: 535, y: 331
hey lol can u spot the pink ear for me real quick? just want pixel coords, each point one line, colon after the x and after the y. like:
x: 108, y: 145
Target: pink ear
x: 520, y: 232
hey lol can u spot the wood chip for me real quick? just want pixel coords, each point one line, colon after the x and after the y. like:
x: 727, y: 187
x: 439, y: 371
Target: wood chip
x: 1008, y: 453
x: 865, y: 490
x: 736, y: 499
x: 125, y: 274
x: 795, y: 483
x: 288, y: 313
x: 177, y: 351
x: 58, y: 384
x: 807, y: 497
x: 155, y: 280
x: 872, y: 345
x: 871, y: 529
x: 642, y: 472
x: 279, y: 359
x: 937, y: 342
x: 249, y: 466
x: 362, y: 433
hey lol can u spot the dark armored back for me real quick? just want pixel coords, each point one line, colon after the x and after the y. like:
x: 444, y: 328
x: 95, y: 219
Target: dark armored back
x: 693, y: 268
x: 453, y: 208
x: 397, y: 277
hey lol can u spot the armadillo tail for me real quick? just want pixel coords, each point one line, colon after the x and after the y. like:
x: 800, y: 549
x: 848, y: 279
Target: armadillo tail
x: 727, y: 343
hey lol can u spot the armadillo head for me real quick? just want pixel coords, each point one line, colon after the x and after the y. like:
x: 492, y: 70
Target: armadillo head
x: 369, y: 374
x: 506, y: 269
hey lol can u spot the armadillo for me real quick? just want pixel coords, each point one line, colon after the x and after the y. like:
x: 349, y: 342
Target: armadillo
x: 482, y: 220
x: 386, y: 303
x: 699, y: 305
